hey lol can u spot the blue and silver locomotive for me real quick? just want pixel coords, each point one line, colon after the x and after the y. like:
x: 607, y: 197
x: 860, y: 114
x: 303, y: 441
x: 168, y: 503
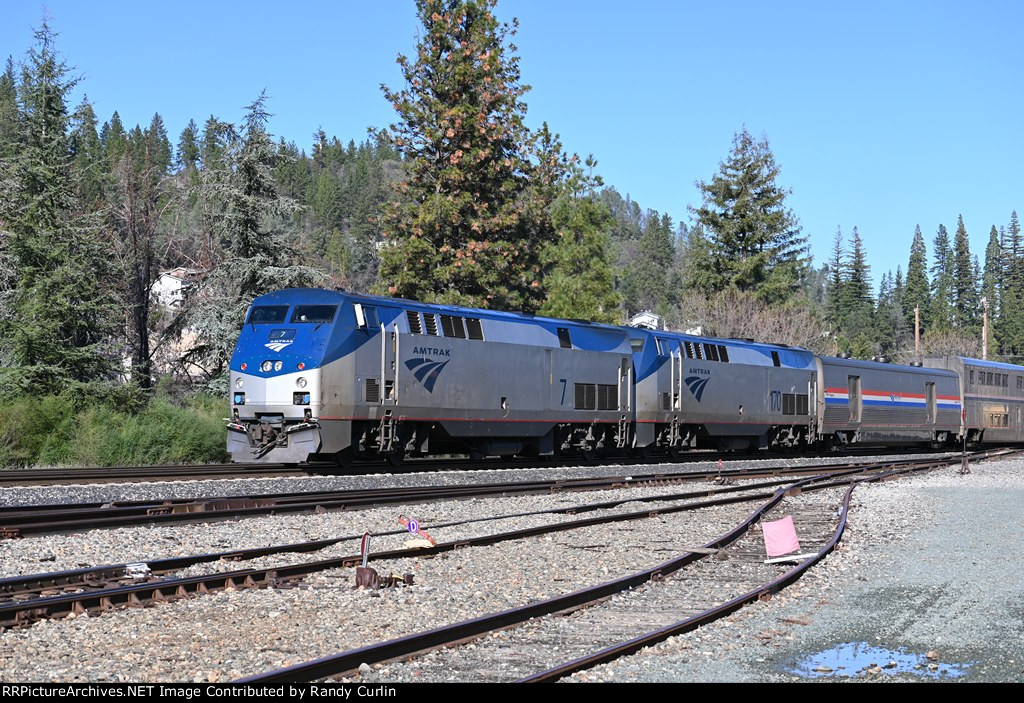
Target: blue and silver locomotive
x: 329, y: 375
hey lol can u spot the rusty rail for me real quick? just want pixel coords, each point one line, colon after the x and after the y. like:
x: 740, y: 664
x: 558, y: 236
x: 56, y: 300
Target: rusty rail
x: 470, y: 629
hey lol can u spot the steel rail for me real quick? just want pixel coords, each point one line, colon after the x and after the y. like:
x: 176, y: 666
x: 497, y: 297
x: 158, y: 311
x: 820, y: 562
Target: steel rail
x: 22, y: 612
x: 83, y: 577
x: 471, y: 629
x: 22, y: 521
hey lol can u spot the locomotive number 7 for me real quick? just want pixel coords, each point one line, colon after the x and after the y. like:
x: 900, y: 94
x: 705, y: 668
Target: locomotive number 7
x: 563, y: 391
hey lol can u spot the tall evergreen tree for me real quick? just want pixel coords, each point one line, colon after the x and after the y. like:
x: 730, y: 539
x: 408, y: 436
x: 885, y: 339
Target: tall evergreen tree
x: 756, y: 243
x: 90, y: 167
x: 10, y: 133
x: 859, y: 324
x: 992, y: 278
x: 965, y: 282
x: 158, y: 146
x: 1010, y: 332
x: 251, y: 222
x: 648, y: 277
x: 942, y: 315
x: 59, y: 312
x: 834, y: 308
x: 917, y: 293
x: 457, y: 233
x: 188, y: 147
x: 580, y: 282
x: 114, y: 139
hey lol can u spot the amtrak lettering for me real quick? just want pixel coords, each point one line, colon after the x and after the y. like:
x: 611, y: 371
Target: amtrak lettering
x: 702, y: 372
x: 432, y: 351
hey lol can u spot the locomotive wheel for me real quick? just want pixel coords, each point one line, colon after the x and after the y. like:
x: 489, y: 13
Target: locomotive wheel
x: 675, y: 452
x: 344, y: 458
x: 396, y: 457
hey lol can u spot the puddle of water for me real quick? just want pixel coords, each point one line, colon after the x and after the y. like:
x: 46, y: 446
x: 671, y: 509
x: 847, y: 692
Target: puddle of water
x: 856, y: 658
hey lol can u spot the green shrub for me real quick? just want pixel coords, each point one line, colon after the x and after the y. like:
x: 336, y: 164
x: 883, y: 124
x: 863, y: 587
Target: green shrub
x: 51, y: 431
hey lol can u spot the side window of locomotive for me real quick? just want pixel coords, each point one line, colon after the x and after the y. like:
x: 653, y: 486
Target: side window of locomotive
x: 453, y: 326
x: 268, y: 315
x: 564, y: 340
x: 319, y: 314
x: 372, y: 321
x: 474, y: 328
x: 775, y: 359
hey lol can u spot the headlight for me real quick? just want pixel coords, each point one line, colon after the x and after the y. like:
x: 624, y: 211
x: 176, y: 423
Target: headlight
x: 239, y: 383
x: 278, y: 365
x: 300, y: 382
x: 267, y: 366
x: 239, y: 398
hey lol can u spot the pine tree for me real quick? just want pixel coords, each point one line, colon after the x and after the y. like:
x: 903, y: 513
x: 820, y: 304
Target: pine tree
x: 158, y: 146
x: 89, y: 165
x: 114, y: 140
x: 834, y: 307
x: 1011, y: 322
x: 942, y: 282
x: 917, y: 293
x: 859, y: 324
x: 648, y: 276
x: 457, y: 232
x: 188, y: 147
x: 251, y: 222
x: 965, y: 282
x: 580, y: 282
x: 10, y: 134
x: 59, y: 311
x: 991, y: 280
x: 756, y: 244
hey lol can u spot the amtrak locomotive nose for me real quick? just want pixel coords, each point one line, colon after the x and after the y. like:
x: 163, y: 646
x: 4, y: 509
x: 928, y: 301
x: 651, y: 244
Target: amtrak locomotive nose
x: 276, y: 389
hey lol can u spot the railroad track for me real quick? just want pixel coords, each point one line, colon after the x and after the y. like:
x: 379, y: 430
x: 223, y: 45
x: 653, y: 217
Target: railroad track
x: 25, y: 599
x: 205, y: 472
x: 756, y: 583
x: 25, y: 521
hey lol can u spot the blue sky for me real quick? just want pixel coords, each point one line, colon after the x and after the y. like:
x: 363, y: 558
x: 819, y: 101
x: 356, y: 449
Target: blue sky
x: 882, y: 115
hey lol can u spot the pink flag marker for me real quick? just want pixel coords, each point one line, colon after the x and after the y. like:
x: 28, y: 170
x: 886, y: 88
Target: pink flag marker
x: 780, y: 537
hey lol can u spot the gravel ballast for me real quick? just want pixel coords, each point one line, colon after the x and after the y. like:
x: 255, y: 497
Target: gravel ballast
x: 917, y: 573
x: 928, y: 566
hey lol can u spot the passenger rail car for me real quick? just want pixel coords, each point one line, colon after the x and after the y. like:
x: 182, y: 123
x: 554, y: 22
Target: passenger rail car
x: 886, y: 404
x: 322, y: 374
x: 993, y: 397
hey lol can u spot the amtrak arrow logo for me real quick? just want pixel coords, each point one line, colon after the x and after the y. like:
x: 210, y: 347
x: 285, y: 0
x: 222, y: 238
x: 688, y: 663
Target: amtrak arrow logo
x: 426, y: 371
x: 696, y: 384
x: 277, y: 346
